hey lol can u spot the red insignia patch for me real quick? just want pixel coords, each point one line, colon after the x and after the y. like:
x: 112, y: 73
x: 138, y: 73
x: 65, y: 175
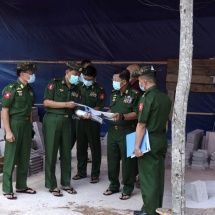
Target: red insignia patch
x: 51, y: 86
x: 102, y: 96
x: 7, y: 95
x: 141, y: 106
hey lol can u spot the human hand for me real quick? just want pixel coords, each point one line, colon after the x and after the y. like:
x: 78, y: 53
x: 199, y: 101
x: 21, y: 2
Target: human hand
x: 10, y: 136
x: 70, y: 104
x: 137, y: 152
x: 116, y: 116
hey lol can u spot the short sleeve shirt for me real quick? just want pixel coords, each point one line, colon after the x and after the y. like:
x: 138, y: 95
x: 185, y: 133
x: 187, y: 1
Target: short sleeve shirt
x: 92, y: 96
x: 57, y: 90
x: 19, y: 98
x: 125, y: 103
x: 154, y: 109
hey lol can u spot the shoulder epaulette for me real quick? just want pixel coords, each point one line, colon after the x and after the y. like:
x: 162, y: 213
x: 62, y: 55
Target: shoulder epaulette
x: 56, y: 79
x: 135, y: 91
x: 13, y: 85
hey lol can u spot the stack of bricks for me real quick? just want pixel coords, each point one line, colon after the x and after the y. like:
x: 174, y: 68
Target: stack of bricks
x: 36, y: 162
x: 194, y: 139
x: 199, y: 160
x: 212, y: 161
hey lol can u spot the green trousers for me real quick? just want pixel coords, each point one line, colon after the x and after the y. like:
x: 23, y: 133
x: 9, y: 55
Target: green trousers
x: 151, y: 174
x: 116, y: 151
x: 57, y: 135
x: 88, y: 131
x: 17, y: 153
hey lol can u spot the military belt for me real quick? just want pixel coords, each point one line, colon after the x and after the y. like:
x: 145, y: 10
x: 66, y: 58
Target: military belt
x: 60, y: 115
x: 116, y: 127
x: 24, y: 118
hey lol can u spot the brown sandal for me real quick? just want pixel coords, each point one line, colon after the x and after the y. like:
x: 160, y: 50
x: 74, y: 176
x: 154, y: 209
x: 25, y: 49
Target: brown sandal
x: 109, y: 192
x: 94, y: 180
x: 70, y: 190
x: 78, y: 177
x: 56, y: 193
x: 10, y: 196
x: 28, y: 190
x: 124, y: 196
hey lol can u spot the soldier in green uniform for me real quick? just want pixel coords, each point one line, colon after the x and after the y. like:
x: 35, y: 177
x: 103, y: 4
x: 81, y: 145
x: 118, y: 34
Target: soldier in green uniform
x: 124, y: 103
x: 17, y: 101
x: 154, y: 109
x: 88, y: 131
x: 57, y: 127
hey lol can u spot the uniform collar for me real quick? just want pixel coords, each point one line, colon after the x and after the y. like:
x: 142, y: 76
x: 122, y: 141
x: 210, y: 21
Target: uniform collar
x: 127, y: 90
x: 150, y: 89
x: 21, y: 84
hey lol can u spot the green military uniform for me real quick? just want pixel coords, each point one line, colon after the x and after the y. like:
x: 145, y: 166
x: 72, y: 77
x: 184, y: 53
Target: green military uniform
x: 154, y: 109
x: 88, y: 131
x: 19, y: 99
x: 116, y: 140
x: 57, y: 130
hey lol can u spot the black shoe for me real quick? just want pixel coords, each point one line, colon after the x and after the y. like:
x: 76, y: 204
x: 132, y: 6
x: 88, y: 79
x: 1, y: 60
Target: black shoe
x: 140, y: 213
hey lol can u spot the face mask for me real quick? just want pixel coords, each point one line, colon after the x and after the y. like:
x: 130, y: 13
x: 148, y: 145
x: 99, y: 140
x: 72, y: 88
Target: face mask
x: 81, y: 77
x: 32, y: 79
x: 116, y: 85
x: 87, y: 83
x: 142, y: 88
x: 73, y: 79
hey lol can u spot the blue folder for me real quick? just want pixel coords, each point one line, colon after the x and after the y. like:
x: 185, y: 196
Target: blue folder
x: 130, y: 143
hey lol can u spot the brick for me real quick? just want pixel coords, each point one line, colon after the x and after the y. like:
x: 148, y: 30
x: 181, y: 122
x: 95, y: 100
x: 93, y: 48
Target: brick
x: 199, y: 191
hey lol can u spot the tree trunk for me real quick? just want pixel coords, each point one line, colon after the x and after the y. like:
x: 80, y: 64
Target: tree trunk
x: 180, y: 107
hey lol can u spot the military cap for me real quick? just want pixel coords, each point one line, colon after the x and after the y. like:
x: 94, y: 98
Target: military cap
x: 74, y: 66
x: 143, y: 71
x: 26, y: 66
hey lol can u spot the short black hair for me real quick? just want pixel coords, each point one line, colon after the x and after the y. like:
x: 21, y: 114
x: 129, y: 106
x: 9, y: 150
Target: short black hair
x: 18, y: 72
x: 151, y: 77
x: 124, y: 74
x: 83, y: 62
x: 90, y: 71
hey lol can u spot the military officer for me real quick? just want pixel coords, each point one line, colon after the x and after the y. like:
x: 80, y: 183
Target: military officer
x: 154, y: 109
x: 17, y: 101
x: 88, y: 131
x: 57, y: 126
x: 124, y: 103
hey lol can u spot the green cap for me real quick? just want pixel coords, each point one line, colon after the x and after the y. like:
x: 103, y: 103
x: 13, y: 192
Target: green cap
x: 74, y: 66
x: 143, y: 71
x: 26, y: 66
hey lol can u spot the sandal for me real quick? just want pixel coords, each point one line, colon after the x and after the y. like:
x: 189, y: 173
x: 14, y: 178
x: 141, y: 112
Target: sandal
x: 56, y: 193
x: 70, y: 190
x: 28, y: 190
x: 109, y: 192
x: 78, y: 177
x: 94, y: 180
x: 10, y: 196
x: 124, y: 196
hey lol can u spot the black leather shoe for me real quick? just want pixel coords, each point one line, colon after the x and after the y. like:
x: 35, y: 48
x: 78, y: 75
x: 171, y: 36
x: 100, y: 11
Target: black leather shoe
x: 140, y: 213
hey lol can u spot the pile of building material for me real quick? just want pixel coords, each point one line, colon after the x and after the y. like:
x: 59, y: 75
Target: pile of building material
x: 188, y: 155
x: 212, y: 161
x: 36, y: 162
x: 168, y: 160
x: 194, y: 139
x: 210, y: 142
x: 38, y: 137
x: 199, y: 160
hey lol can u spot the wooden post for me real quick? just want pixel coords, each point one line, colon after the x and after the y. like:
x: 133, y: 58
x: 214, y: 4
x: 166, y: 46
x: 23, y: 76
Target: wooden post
x: 180, y: 107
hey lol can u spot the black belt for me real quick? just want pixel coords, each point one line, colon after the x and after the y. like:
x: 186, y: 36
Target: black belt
x: 60, y: 115
x: 25, y: 118
x: 122, y: 126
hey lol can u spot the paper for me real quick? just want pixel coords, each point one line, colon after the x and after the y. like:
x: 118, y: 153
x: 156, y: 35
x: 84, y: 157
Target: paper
x: 130, y: 143
x: 95, y: 114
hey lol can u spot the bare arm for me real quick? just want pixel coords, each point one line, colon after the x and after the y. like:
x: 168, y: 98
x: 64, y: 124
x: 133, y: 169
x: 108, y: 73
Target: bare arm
x: 127, y: 116
x: 54, y: 104
x: 140, y: 131
x: 6, y: 119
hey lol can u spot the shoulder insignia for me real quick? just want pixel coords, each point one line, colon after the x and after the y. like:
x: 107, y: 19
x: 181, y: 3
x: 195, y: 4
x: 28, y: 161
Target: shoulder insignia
x: 11, y: 85
x: 135, y: 91
x: 56, y: 79
x: 50, y: 87
x: 7, y: 95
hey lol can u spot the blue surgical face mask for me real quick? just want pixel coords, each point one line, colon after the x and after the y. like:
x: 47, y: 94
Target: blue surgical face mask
x: 87, y: 83
x: 81, y: 77
x: 73, y: 79
x: 116, y: 85
x: 142, y: 88
x: 32, y: 79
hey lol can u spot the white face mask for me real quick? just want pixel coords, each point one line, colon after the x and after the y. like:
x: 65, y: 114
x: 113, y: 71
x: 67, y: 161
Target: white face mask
x: 116, y: 85
x: 142, y: 88
x: 32, y: 79
x: 73, y: 79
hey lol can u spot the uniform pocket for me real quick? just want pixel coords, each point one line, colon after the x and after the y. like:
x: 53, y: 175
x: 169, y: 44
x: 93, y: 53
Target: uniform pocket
x: 20, y: 102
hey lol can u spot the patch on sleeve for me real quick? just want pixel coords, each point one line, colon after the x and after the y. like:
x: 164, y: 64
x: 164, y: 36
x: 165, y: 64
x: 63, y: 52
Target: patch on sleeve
x: 51, y: 86
x: 102, y: 96
x: 141, y: 106
x: 7, y: 95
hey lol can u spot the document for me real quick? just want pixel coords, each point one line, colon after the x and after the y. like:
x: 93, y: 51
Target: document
x: 130, y: 143
x: 95, y: 114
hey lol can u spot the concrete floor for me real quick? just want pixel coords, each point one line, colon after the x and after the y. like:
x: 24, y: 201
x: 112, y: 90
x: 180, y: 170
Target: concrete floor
x: 90, y: 200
